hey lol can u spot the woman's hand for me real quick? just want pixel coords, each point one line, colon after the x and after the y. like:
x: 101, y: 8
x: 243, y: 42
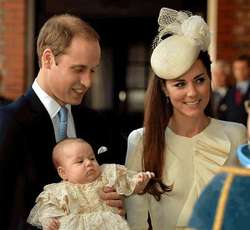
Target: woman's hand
x: 113, y: 199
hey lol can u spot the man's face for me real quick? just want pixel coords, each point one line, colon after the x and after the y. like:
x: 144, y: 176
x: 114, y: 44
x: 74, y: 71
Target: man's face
x: 241, y: 70
x: 70, y: 74
x: 219, y: 78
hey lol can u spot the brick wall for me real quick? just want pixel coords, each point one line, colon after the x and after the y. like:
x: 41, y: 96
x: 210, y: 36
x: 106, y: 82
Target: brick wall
x: 233, y: 36
x: 12, y: 46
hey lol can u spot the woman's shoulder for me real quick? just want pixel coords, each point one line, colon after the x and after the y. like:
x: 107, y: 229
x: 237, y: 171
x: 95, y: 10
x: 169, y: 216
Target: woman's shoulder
x: 229, y: 125
x: 235, y: 132
x: 135, y: 135
x: 134, y: 149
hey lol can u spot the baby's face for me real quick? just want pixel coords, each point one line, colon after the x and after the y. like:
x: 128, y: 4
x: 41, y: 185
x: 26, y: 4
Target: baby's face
x: 79, y: 163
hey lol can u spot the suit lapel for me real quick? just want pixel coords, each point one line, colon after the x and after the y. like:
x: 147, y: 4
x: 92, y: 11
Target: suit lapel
x: 247, y: 94
x: 39, y: 118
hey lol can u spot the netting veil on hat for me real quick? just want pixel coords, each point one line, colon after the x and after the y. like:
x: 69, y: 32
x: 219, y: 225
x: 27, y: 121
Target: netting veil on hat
x: 189, y: 34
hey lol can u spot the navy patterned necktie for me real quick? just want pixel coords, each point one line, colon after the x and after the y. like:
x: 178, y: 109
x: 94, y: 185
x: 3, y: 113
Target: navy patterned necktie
x: 63, y: 122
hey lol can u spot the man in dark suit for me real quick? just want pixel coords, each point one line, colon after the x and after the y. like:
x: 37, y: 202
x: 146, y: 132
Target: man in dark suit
x: 68, y: 52
x: 232, y: 106
x: 221, y: 75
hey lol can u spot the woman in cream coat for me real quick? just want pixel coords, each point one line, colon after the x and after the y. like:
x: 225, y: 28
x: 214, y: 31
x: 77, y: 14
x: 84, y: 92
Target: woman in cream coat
x: 180, y: 142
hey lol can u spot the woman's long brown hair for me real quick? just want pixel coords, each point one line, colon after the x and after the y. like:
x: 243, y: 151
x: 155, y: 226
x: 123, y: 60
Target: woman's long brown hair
x: 157, y: 113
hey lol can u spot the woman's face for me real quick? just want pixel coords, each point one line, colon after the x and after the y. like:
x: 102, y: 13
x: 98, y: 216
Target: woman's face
x: 190, y: 93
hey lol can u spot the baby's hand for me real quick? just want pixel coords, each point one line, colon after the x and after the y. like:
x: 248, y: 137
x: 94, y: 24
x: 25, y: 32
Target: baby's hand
x: 142, y: 180
x: 52, y: 224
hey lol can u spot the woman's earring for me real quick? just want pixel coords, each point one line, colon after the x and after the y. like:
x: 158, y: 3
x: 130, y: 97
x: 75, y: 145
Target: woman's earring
x: 167, y: 99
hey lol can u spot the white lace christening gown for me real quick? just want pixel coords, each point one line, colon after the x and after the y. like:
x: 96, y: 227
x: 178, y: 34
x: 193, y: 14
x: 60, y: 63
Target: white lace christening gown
x: 79, y: 206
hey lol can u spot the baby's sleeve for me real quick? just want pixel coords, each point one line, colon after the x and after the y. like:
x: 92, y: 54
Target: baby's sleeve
x: 126, y: 180
x: 51, y: 203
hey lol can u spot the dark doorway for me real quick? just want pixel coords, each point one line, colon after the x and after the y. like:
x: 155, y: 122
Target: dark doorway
x: 127, y: 29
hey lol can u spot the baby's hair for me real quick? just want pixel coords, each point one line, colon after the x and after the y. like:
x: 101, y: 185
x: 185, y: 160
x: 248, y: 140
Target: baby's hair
x: 58, y: 149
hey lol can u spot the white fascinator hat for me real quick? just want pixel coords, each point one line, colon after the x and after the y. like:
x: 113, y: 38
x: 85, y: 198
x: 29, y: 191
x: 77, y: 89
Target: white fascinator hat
x: 187, y: 35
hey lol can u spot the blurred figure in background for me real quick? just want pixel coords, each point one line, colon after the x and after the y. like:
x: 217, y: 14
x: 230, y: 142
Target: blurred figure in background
x: 221, y: 82
x: 3, y: 100
x: 233, y: 103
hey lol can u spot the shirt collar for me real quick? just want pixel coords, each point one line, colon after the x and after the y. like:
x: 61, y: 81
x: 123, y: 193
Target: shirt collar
x: 49, y: 103
x: 221, y: 90
x: 242, y: 86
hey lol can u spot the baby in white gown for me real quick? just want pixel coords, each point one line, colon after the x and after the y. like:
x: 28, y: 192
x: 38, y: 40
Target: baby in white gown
x: 75, y: 201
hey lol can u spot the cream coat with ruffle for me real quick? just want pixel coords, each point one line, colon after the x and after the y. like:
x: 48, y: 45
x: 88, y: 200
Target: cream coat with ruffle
x: 190, y: 164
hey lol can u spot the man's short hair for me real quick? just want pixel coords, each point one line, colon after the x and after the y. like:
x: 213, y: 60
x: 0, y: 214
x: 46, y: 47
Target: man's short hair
x: 58, y: 32
x: 243, y: 57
